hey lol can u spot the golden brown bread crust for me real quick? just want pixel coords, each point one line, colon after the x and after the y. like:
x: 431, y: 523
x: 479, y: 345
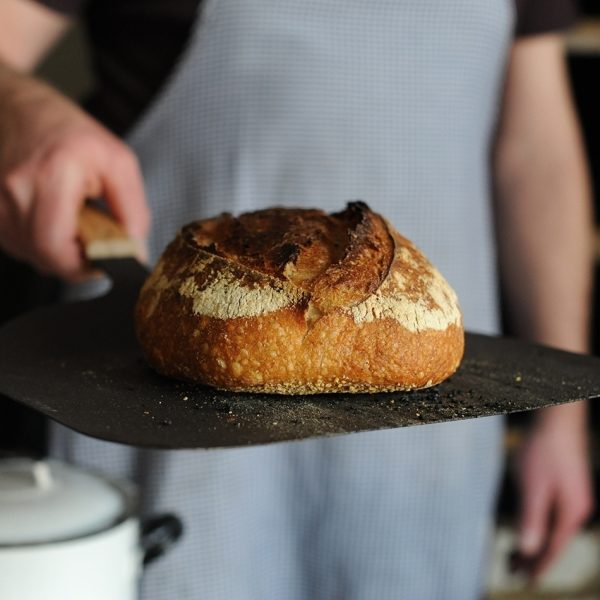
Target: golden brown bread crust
x: 298, y: 301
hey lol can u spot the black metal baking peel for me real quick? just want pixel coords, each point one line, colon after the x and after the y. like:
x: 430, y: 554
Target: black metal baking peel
x: 79, y: 364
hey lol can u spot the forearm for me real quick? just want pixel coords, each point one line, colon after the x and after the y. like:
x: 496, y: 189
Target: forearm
x: 28, y: 30
x: 544, y: 216
x: 16, y: 87
x: 24, y: 100
x: 545, y: 248
x: 545, y: 255
x: 546, y: 260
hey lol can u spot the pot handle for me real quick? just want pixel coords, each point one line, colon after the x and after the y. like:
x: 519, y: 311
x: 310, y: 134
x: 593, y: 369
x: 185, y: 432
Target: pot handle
x: 158, y: 534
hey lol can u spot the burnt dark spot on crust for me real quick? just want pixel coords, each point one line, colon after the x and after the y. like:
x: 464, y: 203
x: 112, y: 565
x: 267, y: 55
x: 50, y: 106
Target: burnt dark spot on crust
x: 339, y: 258
x: 287, y: 252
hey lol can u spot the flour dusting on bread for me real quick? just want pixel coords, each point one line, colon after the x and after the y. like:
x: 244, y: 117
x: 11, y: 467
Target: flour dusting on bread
x: 437, y: 308
x: 226, y: 298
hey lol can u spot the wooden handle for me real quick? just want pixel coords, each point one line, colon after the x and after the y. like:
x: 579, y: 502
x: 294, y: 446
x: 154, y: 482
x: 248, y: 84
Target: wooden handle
x: 102, y: 237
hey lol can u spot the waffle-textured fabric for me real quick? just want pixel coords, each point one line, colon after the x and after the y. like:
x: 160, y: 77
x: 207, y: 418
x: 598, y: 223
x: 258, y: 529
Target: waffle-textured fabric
x: 313, y: 103
x: 130, y: 66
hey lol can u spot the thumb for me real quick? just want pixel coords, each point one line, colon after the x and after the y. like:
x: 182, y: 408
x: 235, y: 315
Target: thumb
x: 534, y: 518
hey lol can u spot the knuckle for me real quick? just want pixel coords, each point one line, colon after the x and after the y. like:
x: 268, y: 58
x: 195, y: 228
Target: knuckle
x: 125, y: 157
x: 73, y: 148
x: 54, y: 161
x: 78, y: 141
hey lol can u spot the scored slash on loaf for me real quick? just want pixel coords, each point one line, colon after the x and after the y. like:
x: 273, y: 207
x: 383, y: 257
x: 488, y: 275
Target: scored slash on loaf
x: 297, y: 301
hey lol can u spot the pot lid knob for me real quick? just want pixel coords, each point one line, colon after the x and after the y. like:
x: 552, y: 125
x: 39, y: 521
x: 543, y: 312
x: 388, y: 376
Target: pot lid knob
x: 42, y: 474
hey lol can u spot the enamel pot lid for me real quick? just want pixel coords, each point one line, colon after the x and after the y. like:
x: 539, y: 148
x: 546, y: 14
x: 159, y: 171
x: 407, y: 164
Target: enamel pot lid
x: 49, y: 501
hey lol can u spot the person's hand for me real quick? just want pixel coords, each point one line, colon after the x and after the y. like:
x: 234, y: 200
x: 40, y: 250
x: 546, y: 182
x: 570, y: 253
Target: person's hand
x: 52, y: 157
x: 555, y: 485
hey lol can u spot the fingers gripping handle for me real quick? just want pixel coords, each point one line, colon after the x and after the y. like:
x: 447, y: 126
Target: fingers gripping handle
x: 103, y: 238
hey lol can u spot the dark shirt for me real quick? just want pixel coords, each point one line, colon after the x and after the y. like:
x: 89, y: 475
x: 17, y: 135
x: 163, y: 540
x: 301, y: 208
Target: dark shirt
x: 135, y: 44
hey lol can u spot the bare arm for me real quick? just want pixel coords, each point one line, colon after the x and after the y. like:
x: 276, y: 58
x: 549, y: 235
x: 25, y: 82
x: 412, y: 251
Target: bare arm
x: 52, y: 154
x: 545, y: 251
x: 544, y: 209
x: 28, y: 31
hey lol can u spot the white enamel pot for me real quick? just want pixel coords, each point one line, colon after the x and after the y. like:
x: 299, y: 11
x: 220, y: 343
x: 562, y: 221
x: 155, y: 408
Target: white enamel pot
x: 69, y: 534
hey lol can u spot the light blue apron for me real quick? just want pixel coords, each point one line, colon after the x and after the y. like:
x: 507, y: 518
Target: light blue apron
x: 313, y: 103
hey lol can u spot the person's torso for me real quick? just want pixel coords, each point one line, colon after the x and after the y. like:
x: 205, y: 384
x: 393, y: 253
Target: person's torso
x: 313, y: 103
x: 135, y: 44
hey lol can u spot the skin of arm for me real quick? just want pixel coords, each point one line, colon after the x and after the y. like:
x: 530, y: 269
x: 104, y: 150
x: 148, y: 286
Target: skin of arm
x: 53, y: 155
x: 544, y: 227
x: 28, y: 30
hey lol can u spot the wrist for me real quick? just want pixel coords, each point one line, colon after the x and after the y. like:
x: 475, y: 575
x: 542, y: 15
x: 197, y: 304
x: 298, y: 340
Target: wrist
x: 573, y: 416
x: 18, y: 88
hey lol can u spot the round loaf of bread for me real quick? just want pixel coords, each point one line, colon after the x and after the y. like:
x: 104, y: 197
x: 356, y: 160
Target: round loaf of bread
x: 297, y: 301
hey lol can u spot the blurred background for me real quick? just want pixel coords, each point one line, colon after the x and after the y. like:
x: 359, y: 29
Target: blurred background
x: 577, y: 575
